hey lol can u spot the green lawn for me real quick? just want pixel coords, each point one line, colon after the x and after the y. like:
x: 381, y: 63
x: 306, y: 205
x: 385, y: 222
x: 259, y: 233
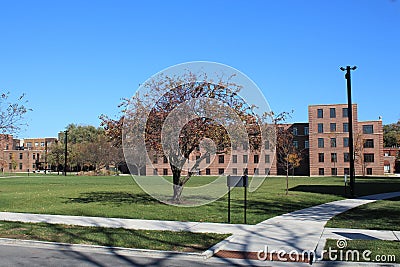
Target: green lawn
x: 382, y: 251
x: 119, y: 196
x: 380, y: 215
x: 115, y: 237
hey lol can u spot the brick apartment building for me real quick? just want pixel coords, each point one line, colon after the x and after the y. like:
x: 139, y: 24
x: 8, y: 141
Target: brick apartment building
x: 323, y: 142
x: 23, y: 155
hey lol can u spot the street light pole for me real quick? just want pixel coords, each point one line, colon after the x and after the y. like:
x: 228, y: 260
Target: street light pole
x: 65, y: 152
x: 348, y: 70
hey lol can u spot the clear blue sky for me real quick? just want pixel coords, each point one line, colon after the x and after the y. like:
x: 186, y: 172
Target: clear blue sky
x: 76, y: 59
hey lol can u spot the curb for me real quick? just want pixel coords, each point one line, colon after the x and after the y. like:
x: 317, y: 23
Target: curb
x: 217, y: 247
x: 96, y: 248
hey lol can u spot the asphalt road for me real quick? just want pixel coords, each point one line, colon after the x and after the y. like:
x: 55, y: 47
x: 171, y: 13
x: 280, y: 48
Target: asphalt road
x: 20, y: 254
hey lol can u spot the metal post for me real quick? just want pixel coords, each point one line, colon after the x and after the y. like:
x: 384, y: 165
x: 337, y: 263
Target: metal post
x: 245, y: 197
x: 65, y: 152
x: 348, y: 69
x: 229, y: 205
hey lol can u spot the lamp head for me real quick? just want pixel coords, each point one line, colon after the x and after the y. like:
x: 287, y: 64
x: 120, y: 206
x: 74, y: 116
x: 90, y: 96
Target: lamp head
x: 343, y: 69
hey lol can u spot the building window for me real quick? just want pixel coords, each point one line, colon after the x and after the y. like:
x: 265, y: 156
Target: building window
x: 333, y: 142
x: 334, y: 171
x: 321, y: 157
x: 20, y: 166
x: 36, y: 144
x: 345, y: 127
x: 42, y: 144
x: 333, y: 127
x: 255, y: 171
x: 320, y: 127
x: 369, y: 171
x: 34, y: 156
x: 345, y: 112
x: 245, y: 158
x: 267, y: 144
x: 332, y: 112
x: 234, y: 158
x: 234, y: 147
x: 306, y: 144
x: 321, y: 171
x: 256, y: 158
x: 9, y: 166
x: 369, y: 143
x: 267, y: 159
x: 165, y: 159
x: 155, y: 171
x: 320, y: 142
x: 221, y: 171
x: 320, y: 113
x: 165, y: 171
x: 345, y: 142
x: 369, y: 157
x: 245, y: 146
x: 208, y: 171
x: 155, y: 159
x: 10, y: 156
x: 208, y: 159
x: 221, y: 159
x: 267, y: 171
x: 20, y: 156
x: 29, y: 144
x: 33, y: 166
x: 346, y: 157
x: 333, y: 157
x: 347, y: 171
x: 234, y: 171
x: 306, y: 130
x: 245, y: 171
x: 296, y: 144
x: 295, y: 131
x: 368, y: 129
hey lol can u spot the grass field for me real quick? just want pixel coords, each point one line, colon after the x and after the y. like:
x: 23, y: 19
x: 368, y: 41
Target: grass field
x: 119, y: 196
x: 380, y: 215
x: 114, y: 237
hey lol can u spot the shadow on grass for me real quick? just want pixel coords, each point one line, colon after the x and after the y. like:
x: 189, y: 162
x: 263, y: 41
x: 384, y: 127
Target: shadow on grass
x: 110, y: 237
x: 116, y: 198
x: 364, y: 187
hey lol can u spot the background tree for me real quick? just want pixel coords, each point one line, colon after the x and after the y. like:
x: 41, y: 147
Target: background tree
x: 391, y: 135
x: 288, y: 155
x: 12, y: 113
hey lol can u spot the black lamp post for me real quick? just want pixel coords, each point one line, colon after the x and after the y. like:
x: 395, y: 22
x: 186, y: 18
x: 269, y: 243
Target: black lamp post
x: 348, y: 69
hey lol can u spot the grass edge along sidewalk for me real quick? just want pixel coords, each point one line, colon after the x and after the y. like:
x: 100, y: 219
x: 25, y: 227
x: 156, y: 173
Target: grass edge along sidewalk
x: 182, y: 241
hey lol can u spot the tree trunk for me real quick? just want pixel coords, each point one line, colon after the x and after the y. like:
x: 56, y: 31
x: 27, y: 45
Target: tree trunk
x: 287, y: 178
x: 177, y: 186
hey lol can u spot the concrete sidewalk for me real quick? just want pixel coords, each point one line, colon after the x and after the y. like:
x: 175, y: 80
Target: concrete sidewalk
x: 137, y: 224
x: 297, y: 231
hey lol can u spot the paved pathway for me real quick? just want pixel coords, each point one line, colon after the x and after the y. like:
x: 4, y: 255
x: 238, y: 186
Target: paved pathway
x: 296, y: 231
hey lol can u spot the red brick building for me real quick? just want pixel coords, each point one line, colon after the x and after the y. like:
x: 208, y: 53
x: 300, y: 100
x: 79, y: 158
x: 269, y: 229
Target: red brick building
x: 323, y: 142
x: 24, y: 155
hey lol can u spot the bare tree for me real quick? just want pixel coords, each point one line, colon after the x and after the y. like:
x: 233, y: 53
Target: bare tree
x: 12, y: 114
x: 288, y: 155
